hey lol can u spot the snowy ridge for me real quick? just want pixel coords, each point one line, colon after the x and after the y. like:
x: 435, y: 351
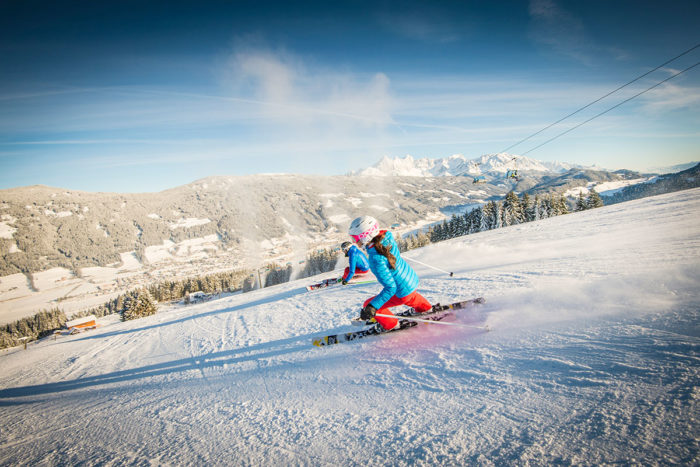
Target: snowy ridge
x: 592, y: 359
x: 458, y: 164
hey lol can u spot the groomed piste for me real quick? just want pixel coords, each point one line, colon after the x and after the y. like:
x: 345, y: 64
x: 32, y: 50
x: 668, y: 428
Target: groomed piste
x: 592, y: 359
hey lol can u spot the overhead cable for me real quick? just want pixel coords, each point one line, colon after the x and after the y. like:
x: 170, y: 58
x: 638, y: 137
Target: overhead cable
x: 611, y: 108
x: 601, y: 98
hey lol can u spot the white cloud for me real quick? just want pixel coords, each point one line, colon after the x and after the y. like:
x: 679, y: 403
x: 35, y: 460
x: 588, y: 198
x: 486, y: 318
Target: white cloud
x: 288, y: 90
x: 671, y: 96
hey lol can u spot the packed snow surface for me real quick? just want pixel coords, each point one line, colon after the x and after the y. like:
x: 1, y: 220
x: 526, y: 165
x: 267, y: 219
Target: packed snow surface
x: 593, y: 358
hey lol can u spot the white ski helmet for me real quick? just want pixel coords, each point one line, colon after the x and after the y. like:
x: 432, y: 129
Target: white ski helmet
x: 363, y: 229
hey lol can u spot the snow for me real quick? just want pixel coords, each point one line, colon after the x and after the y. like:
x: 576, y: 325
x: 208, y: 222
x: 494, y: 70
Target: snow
x: 130, y: 262
x: 51, y: 213
x: 157, y: 253
x: 608, y: 188
x: 48, y: 279
x: 339, y: 219
x: 593, y: 359
x: 357, y: 202
x: 189, y: 222
x: 187, y: 249
x: 61, y: 288
x: 183, y: 251
x: 13, y: 287
x: 6, y: 231
x: 53, y: 286
x: 98, y: 226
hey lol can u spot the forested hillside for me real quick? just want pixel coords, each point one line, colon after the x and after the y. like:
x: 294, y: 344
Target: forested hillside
x: 669, y: 183
x: 45, y: 227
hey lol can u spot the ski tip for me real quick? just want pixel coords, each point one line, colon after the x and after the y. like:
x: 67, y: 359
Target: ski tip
x: 320, y: 342
x: 362, y: 322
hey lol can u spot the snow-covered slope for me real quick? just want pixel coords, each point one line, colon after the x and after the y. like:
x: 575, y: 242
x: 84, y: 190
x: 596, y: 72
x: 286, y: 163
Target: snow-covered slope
x: 593, y: 359
x: 458, y: 164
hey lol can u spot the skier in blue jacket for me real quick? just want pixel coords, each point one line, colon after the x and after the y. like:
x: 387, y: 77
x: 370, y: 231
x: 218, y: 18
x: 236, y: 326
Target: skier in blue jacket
x: 357, y: 260
x: 398, y: 279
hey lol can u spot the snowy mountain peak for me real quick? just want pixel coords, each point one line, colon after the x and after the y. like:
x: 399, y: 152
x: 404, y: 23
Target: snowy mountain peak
x: 458, y: 164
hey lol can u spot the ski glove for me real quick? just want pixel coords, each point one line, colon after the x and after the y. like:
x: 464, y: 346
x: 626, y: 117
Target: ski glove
x: 368, y: 312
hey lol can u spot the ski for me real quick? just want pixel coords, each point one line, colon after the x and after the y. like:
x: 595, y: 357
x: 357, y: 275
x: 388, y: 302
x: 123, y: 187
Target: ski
x: 374, y: 330
x: 437, y: 308
x: 325, y: 283
x: 438, y: 313
x: 335, y: 281
x: 456, y: 305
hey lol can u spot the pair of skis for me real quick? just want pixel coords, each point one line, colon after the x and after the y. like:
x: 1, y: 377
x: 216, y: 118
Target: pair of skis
x: 407, y: 319
x: 335, y: 281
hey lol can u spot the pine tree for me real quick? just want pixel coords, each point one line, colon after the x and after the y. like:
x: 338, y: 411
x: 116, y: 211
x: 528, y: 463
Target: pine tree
x: 536, y: 209
x: 488, y: 216
x: 581, y: 204
x: 512, y: 210
x: 563, y: 205
x: 545, y: 209
x: 120, y: 303
x: 499, y: 216
x: 452, y: 227
x: 422, y: 240
x: 526, y: 204
x: 594, y: 200
x: 138, y: 304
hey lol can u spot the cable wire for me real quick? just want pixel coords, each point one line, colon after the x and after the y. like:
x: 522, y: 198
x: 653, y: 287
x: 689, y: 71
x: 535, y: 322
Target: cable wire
x: 611, y: 108
x: 601, y: 98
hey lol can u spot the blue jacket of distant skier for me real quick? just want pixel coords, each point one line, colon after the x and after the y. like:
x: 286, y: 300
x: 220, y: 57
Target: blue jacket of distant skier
x: 357, y: 260
x: 400, y: 281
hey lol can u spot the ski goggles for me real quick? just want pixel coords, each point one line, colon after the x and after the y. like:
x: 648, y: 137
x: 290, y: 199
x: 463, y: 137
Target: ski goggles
x: 362, y: 238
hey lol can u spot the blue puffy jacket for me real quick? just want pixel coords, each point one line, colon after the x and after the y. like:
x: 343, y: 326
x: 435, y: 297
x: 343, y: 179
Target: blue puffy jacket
x: 357, y: 260
x: 401, y: 281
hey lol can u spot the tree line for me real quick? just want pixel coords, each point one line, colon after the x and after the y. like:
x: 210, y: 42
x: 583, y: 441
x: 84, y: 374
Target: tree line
x: 511, y: 211
x: 34, y: 327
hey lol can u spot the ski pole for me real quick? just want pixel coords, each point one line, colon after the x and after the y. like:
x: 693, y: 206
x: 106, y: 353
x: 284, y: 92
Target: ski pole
x: 427, y: 265
x: 485, y: 328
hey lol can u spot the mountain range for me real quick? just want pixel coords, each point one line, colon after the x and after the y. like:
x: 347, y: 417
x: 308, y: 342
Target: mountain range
x: 459, y: 165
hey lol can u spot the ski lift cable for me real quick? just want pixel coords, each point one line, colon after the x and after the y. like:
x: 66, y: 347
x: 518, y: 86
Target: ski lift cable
x: 601, y: 98
x: 611, y: 108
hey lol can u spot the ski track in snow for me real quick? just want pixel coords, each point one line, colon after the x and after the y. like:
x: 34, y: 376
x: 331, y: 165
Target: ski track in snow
x: 593, y: 359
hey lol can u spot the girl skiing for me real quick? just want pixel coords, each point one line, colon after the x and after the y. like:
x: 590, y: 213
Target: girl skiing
x: 398, y: 279
x: 357, y: 262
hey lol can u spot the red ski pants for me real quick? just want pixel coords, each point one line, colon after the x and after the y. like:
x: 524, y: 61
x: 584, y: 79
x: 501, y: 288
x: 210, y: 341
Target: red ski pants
x: 358, y: 272
x: 414, y: 300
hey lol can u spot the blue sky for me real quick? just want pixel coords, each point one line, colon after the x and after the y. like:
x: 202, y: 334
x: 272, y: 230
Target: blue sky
x: 142, y: 96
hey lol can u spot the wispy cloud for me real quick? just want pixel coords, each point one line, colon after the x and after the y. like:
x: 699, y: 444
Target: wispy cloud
x: 671, y: 96
x: 285, y: 88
